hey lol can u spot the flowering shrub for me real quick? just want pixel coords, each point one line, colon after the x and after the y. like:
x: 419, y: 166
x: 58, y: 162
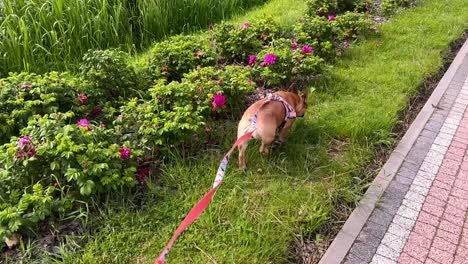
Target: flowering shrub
x: 79, y: 159
x: 390, y: 6
x: 180, y: 54
x: 110, y: 75
x: 236, y: 43
x: 282, y: 62
x: 333, y: 7
x: 25, y: 95
x: 327, y: 34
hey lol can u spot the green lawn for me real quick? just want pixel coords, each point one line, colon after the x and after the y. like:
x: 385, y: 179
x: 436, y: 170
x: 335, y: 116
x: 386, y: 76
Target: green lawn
x: 255, y: 216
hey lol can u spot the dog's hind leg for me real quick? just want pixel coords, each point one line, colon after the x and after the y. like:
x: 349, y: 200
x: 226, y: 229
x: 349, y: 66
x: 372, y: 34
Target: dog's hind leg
x: 242, y: 147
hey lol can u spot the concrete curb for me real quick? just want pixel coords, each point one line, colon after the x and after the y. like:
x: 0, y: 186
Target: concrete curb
x: 342, y: 243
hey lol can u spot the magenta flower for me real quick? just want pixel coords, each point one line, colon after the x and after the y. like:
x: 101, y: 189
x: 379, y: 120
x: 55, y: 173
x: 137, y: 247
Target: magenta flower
x: 307, y: 49
x: 125, y: 153
x: 218, y: 101
x: 210, y: 26
x: 27, y: 86
x: 221, y: 61
x: 244, y: 25
x: 199, y: 53
x: 252, y: 60
x: 83, y: 123
x: 263, y: 37
x: 220, y: 81
x: 83, y: 98
x: 331, y: 17
x: 294, y: 45
x: 269, y: 59
x: 249, y: 81
x: 23, y: 141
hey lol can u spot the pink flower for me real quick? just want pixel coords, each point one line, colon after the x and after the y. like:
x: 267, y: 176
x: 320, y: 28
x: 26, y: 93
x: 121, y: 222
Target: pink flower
x: 269, y: 59
x: 249, y: 81
x: 210, y: 26
x: 199, y: 66
x: 220, y: 81
x: 200, y: 90
x: 331, y: 17
x: 199, y: 53
x: 307, y: 49
x: 221, y: 61
x: 263, y: 37
x: 83, y: 98
x: 252, y: 60
x: 125, y: 153
x: 83, y: 123
x: 23, y: 141
x: 218, y: 101
x: 294, y: 45
x: 244, y: 25
x: 27, y: 86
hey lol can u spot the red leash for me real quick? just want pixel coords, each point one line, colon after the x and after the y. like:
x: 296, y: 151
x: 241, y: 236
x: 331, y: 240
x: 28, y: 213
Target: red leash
x: 196, y: 211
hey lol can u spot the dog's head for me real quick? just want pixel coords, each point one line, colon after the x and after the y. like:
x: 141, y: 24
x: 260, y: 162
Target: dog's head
x: 301, y: 106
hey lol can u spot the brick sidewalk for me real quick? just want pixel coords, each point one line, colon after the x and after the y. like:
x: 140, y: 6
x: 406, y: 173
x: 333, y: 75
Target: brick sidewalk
x: 422, y: 215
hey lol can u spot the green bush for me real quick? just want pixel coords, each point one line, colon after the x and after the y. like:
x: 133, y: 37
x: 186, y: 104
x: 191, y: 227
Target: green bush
x: 25, y: 95
x: 79, y: 159
x: 172, y: 58
x: 108, y: 71
x: 390, y: 6
x: 178, y: 110
x: 284, y: 61
x: 236, y: 43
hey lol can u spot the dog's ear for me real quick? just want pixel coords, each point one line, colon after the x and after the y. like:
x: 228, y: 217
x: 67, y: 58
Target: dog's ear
x: 304, y: 97
x: 293, y: 88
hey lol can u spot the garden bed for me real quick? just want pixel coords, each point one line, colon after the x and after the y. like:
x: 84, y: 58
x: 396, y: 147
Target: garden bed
x: 284, y: 197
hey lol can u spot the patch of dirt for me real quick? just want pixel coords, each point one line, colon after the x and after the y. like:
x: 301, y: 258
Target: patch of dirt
x: 49, y: 237
x: 310, y: 250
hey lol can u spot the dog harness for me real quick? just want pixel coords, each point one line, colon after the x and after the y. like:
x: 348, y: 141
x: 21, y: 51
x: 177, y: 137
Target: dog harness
x: 290, y: 113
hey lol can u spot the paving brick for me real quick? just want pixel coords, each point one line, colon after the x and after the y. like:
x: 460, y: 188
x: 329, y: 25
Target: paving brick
x: 418, y: 240
x: 404, y: 222
x: 454, y: 157
x: 462, y: 184
x: 455, y: 150
x: 440, y: 193
x: 450, y: 227
x: 396, y: 190
x: 363, y: 250
x: 381, y: 218
x: 417, y: 252
x: 454, y: 211
x: 431, y: 134
x: 433, y: 209
x: 433, y: 125
x: 445, y: 178
x: 457, y: 192
x: 457, y: 220
x: 407, y: 259
x: 388, y: 252
x: 439, y: 184
x: 403, y: 179
x: 435, y: 201
x: 459, y: 203
x: 444, y: 245
x: 394, y: 242
x: 423, y: 182
x: 439, y: 148
x: 447, y: 236
x: 407, y: 212
x: 398, y: 230
x: 418, y: 189
x: 440, y: 255
x: 365, y: 236
x: 425, y: 230
x: 378, y: 259
x: 449, y: 169
x: 353, y: 259
x: 427, y: 218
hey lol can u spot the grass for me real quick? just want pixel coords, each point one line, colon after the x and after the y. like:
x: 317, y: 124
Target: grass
x: 50, y: 35
x: 291, y: 193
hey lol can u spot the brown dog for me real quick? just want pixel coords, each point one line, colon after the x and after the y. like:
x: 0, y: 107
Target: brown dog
x: 270, y: 117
